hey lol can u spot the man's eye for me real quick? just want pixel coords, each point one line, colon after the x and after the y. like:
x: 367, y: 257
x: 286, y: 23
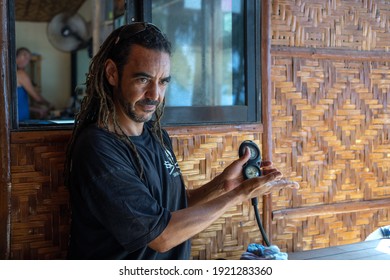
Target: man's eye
x: 143, y: 80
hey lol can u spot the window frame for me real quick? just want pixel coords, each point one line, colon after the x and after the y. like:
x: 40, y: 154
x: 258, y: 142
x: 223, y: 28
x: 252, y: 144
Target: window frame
x: 141, y: 10
x: 250, y: 113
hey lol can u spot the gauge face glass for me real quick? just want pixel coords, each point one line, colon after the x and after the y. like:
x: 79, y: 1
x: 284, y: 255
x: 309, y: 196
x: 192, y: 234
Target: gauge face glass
x: 254, y: 152
x: 252, y: 171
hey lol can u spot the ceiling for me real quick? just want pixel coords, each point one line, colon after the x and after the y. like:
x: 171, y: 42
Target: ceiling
x: 44, y: 10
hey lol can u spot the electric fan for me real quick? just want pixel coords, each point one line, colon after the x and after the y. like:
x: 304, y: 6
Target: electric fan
x: 68, y: 32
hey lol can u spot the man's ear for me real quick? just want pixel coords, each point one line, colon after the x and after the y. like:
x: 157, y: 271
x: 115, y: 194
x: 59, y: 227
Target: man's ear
x: 111, y: 72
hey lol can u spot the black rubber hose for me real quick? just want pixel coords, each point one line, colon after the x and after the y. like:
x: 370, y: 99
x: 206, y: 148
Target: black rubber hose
x: 258, y: 220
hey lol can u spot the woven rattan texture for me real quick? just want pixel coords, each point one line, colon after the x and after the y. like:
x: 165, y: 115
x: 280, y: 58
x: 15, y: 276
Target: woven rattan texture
x: 201, y: 157
x: 40, y: 213
x: 348, y: 24
x: 331, y: 134
x: 320, y: 231
x: 40, y: 210
x: 330, y: 121
x: 332, y: 128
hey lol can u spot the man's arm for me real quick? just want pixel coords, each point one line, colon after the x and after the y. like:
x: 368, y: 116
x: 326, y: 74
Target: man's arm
x: 185, y: 223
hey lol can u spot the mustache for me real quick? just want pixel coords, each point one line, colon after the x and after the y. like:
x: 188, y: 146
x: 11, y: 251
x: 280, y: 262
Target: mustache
x: 148, y: 102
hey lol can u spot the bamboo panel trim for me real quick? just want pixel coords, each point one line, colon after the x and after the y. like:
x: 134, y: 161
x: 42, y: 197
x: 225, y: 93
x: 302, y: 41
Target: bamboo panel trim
x: 331, y: 54
x: 332, y: 209
x: 50, y: 136
x: 213, y: 129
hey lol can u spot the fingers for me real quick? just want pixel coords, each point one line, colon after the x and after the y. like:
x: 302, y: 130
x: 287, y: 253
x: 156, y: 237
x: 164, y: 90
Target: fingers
x: 272, y: 174
x: 266, y: 163
x: 245, y: 157
x: 266, y: 171
x: 283, y: 183
x: 274, y: 182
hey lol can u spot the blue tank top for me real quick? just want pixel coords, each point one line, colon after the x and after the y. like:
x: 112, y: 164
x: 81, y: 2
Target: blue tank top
x: 23, y: 104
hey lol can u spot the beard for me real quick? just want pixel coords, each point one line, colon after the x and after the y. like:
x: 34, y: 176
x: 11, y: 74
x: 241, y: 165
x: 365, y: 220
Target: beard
x: 130, y: 110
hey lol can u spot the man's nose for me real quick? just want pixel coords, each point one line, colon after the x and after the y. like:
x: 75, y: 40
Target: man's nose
x: 153, y: 92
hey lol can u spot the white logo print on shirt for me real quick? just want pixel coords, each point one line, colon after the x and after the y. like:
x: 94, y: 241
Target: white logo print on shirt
x: 171, y: 165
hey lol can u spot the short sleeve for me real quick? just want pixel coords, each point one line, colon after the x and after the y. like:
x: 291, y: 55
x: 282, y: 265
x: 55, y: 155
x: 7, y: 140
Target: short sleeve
x: 127, y: 210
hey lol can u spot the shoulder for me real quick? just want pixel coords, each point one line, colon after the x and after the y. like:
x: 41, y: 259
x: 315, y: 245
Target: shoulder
x: 99, y: 148
x: 21, y: 73
x: 96, y: 142
x: 97, y: 138
x: 22, y: 76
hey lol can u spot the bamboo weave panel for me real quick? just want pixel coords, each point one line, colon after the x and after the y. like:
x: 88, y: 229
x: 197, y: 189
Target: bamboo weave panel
x: 315, y: 232
x: 331, y: 134
x: 40, y: 212
x: 348, y: 24
x: 202, y: 157
x: 331, y: 128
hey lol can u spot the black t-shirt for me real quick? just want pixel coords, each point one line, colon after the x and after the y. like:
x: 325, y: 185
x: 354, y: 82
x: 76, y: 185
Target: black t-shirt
x: 115, y: 214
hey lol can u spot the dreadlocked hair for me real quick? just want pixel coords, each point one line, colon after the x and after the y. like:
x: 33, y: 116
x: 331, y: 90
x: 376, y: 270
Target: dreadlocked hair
x: 98, y: 104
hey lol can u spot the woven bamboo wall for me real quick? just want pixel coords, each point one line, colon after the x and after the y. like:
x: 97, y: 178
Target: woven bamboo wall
x: 40, y: 209
x: 349, y: 24
x: 40, y: 213
x: 330, y: 92
x: 201, y: 157
x: 330, y: 133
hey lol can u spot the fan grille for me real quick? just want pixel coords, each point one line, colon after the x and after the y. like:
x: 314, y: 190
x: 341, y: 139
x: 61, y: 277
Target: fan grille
x: 68, y: 32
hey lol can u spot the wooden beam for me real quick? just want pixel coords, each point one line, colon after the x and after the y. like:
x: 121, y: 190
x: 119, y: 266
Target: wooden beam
x: 266, y: 101
x: 333, y: 54
x: 96, y: 22
x: 5, y: 96
x: 210, y: 129
x: 331, y: 209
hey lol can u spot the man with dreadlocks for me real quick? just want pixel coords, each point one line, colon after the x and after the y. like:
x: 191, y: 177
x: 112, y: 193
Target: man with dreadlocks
x: 127, y: 194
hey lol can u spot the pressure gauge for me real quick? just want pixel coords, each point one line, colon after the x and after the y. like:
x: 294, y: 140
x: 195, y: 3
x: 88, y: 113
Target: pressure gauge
x: 252, y: 168
x: 251, y: 171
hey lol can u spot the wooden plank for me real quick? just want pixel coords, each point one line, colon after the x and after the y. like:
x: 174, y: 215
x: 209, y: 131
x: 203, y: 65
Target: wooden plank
x: 331, y: 209
x: 266, y: 98
x: 209, y: 129
x: 333, y: 54
x: 50, y: 136
x: 5, y: 97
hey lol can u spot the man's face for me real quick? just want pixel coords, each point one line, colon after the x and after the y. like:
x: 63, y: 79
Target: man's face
x: 144, y: 80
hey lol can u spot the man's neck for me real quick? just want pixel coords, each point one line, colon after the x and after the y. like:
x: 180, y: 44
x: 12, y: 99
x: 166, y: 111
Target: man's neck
x: 130, y: 127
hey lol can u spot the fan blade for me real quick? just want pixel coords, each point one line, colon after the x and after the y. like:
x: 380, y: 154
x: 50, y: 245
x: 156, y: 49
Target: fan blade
x: 67, y: 32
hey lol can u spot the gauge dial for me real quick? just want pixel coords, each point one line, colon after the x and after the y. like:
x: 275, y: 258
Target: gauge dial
x: 251, y: 171
x: 252, y: 166
x: 253, y: 148
x: 254, y: 152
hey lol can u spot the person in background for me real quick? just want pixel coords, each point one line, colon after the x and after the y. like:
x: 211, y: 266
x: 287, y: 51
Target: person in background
x: 26, y: 90
x: 127, y: 194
